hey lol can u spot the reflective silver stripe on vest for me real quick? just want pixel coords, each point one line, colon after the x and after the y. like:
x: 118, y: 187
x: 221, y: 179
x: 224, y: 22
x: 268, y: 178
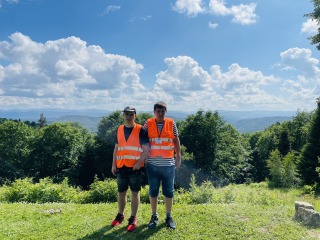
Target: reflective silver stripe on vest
x: 162, y: 139
x: 162, y: 147
x: 130, y: 148
x: 127, y: 157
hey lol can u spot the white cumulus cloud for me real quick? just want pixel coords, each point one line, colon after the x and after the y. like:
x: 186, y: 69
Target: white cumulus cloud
x: 69, y: 73
x: 300, y: 60
x: 64, y: 68
x: 243, y: 14
x: 218, y: 7
x: 310, y: 26
x: 189, y: 7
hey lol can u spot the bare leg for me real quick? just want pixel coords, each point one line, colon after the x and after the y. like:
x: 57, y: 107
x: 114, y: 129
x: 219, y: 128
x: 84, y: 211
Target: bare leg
x: 122, y: 200
x: 168, y: 203
x: 135, y: 203
x: 154, y: 204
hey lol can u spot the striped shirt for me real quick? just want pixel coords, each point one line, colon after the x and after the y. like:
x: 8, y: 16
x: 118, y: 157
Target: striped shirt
x: 163, y: 162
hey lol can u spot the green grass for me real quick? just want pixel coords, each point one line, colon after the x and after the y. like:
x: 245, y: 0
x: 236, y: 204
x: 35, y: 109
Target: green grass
x: 236, y: 212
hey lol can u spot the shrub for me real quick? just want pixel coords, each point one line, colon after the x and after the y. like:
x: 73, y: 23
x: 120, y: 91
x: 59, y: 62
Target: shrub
x: 102, y: 191
x: 144, y: 194
x: 24, y: 190
x: 201, y: 194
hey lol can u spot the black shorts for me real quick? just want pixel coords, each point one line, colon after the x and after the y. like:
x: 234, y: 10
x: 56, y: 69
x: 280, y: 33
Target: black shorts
x: 126, y: 178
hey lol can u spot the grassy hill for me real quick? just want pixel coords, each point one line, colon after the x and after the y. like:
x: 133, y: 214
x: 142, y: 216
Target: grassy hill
x: 236, y: 212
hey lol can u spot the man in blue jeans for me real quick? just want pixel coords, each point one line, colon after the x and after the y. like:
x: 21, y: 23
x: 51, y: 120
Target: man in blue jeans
x: 164, y: 157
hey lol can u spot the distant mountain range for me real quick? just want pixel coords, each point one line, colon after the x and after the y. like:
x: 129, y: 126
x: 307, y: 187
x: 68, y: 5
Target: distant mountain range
x: 243, y: 121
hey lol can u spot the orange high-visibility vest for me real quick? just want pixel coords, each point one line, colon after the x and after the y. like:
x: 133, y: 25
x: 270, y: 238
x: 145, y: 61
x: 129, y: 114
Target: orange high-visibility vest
x: 128, y: 152
x: 161, y: 144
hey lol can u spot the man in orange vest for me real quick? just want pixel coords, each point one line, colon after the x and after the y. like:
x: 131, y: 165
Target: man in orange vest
x: 130, y: 151
x: 163, y: 159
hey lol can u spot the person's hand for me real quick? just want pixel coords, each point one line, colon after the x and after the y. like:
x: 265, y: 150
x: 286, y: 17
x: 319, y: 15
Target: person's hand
x: 114, y: 170
x: 137, y: 166
x: 178, y: 161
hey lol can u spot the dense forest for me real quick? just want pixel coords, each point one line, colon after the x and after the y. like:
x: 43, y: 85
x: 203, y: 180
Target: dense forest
x: 285, y: 154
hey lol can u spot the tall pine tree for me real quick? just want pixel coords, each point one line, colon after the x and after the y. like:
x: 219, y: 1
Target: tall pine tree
x: 311, y: 151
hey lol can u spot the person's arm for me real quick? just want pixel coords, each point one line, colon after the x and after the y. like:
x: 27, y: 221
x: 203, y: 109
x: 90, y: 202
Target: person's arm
x: 142, y: 158
x: 114, y: 165
x: 177, y: 148
x: 144, y: 141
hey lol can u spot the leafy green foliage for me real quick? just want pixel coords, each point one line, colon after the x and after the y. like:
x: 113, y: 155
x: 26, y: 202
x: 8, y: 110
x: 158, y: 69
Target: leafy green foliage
x: 215, y: 146
x: 284, y: 143
x: 108, y: 125
x: 200, y: 136
x: 102, y: 191
x: 201, y: 194
x: 298, y: 129
x: 57, y: 150
x: 311, y: 152
x: 285, y: 137
x: 212, y: 150
x: 24, y: 190
x: 292, y: 178
x: 232, y: 159
x: 238, y: 212
x: 143, y: 117
x: 283, y: 170
x: 276, y: 167
x: 315, y: 15
x: 15, y: 146
x: 104, y: 143
x: 42, y: 121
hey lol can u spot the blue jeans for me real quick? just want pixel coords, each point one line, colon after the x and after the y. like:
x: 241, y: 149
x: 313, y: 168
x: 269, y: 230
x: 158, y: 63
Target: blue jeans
x: 157, y: 174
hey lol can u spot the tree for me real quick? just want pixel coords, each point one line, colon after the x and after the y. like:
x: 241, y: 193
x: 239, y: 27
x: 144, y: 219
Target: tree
x: 15, y: 146
x: 108, y: 125
x: 232, y: 159
x: 142, y: 118
x: 284, y: 143
x: 217, y: 147
x: 276, y: 168
x: 266, y: 143
x: 57, y: 150
x: 259, y: 167
x: 283, y: 172
x: 315, y: 15
x: 105, y: 141
x: 298, y: 129
x: 200, y: 136
x: 84, y: 172
x: 310, y: 153
x: 290, y: 165
x: 42, y: 121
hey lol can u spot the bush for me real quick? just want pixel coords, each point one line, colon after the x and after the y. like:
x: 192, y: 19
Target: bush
x: 24, y: 190
x: 144, y: 194
x: 102, y: 191
x: 201, y: 194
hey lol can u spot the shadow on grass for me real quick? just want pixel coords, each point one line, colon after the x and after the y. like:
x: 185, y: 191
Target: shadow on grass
x: 120, y: 232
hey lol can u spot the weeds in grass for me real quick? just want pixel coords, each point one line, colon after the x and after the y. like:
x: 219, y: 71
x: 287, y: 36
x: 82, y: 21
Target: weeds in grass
x: 24, y: 190
x: 202, y: 212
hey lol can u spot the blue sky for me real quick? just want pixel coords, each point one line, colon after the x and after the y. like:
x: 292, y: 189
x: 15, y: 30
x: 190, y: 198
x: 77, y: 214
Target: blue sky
x: 192, y: 54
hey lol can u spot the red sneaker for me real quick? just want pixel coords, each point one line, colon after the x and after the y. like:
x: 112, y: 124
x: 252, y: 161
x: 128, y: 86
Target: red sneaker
x: 132, y: 224
x: 119, y: 219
